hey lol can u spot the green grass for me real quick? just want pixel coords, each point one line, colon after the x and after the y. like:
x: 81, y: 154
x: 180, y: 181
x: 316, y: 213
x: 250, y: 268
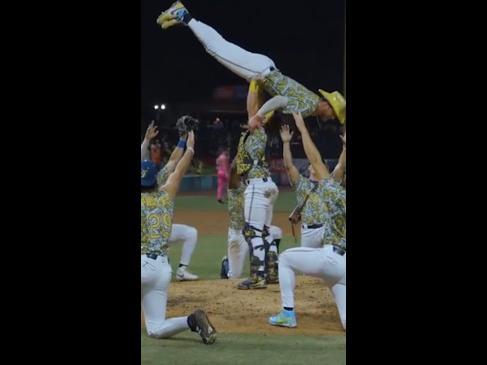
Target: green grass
x: 186, y: 348
x: 208, y: 253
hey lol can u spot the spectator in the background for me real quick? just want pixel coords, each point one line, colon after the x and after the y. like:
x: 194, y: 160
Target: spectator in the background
x: 156, y: 153
x: 223, y: 173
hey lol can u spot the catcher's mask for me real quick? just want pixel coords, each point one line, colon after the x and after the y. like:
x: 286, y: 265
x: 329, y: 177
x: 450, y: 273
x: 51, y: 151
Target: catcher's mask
x: 148, y: 173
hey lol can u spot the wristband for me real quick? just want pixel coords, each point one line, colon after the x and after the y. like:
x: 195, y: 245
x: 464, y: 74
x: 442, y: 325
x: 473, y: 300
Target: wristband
x: 182, y: 144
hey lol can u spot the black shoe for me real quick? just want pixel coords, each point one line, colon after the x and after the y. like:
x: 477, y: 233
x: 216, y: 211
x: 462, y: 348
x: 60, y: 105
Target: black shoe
x: 224, y: 268
x: 199, y: 322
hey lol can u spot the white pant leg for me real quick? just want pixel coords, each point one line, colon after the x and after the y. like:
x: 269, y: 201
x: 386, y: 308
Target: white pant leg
x: 322, y: 263
x: 272, y: 191
x: 339, y: 291
x: 312, y: 237
x: 189, y: 236
x: 238, y: 250
x: 241, y: 62
x: 155, y: 277
x: 275, y: 233
x: 259, y: 202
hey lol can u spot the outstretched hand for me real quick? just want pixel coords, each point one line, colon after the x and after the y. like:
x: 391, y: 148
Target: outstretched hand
x: 151, y: 132
x: 286, y: 135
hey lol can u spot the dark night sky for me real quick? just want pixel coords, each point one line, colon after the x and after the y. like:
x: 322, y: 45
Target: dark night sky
x: 304, y: 38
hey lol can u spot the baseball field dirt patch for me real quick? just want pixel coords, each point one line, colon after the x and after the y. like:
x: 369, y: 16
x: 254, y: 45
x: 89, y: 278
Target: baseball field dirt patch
x: 241, y: 311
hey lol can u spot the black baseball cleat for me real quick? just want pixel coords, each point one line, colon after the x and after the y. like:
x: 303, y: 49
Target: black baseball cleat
x: 224, y: 268
x: 199, y: 322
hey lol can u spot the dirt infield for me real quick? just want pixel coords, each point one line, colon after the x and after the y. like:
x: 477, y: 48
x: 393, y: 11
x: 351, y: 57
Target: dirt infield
x: 241, y: 311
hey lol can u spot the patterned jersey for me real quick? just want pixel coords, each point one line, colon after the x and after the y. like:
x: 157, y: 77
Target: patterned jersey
x: 334, y: 196
x: 162, y: 176
x: 236, y: 207
x: 300, y: 99
x: 156, y: 211
x: 314, y: 211
x: 251, y: 154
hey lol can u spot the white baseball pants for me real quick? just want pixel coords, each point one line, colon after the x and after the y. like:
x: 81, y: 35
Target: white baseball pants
x: 312, y: 237
x: 155, y: 276
x: 259, y: 196
x: 319, y: 262
x: 241, y: 62
x: 238, y: 250
x: 189, y: 236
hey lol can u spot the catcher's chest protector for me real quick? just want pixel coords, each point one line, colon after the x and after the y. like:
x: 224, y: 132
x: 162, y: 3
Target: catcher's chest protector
x: 244, y: 161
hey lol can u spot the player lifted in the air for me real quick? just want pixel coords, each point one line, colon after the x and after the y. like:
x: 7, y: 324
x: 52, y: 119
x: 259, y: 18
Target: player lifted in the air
x: 288, y: 95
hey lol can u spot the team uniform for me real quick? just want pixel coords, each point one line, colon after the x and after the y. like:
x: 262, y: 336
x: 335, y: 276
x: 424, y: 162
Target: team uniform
x: 238, y: 248
x: 328, y: 262
x: 181, y: 233
x: 313, y: 215
x: 156, y: 212
x: 259, y: 197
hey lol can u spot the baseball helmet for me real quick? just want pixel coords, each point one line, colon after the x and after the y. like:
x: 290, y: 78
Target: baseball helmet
x: 148, y: 173
x: 337, y: 102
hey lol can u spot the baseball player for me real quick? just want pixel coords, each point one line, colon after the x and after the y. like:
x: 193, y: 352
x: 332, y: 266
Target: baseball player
x: 156, y: 212
x: 180, y: 232
x: 289, y: 95
x: 313, y: 213
x: 238, y: 249
x: 328, y: 262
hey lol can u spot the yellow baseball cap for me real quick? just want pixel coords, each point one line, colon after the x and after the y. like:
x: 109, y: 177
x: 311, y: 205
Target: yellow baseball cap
x: 337, y: 102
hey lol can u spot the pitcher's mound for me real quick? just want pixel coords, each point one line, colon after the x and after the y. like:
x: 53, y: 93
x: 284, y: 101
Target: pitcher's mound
x: 246, y: 311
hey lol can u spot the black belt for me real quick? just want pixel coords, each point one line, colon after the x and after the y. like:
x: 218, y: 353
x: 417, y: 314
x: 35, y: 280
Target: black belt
x: 339, y: 250
x: 153, y: 255
x: 314, y: 226
x: 264, y: 179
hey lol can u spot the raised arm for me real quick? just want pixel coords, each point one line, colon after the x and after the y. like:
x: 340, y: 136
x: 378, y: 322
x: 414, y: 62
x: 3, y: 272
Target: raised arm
x: 150, y: 133
x: 310, y: 149
x: 172, y: 184
x: 291, y: 170
x: 176, y: 154
x: 339, y: 172
x: 259, y: 114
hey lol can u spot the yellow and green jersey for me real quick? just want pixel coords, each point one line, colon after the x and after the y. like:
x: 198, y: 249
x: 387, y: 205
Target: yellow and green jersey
x: 314, y: 211
x: 251, y: 154
x: 301, y: 100
x: 156, y: 212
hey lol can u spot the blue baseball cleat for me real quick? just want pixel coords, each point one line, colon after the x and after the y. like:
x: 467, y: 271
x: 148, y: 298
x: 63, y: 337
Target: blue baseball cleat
x: 284, y: 319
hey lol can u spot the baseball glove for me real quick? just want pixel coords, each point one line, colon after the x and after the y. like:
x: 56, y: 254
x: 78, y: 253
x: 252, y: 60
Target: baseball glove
x: 186, y: 124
